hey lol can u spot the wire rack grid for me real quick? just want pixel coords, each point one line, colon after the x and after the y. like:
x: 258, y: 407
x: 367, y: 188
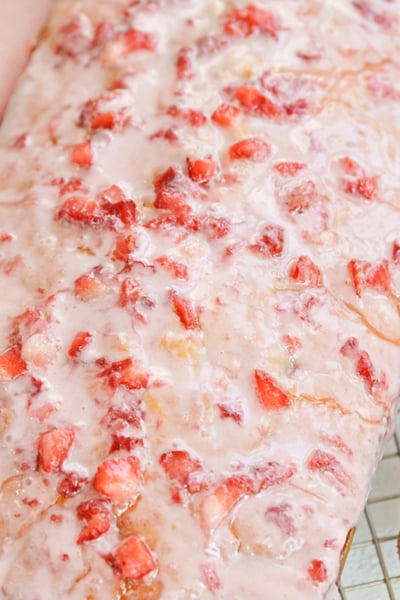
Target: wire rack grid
x: 372, y: 570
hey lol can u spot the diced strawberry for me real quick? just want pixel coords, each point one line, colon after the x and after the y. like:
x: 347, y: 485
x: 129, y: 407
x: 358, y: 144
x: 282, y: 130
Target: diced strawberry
x: 225, y: 115
x: 271, y: 474
x: 317, y: 572
x: 215, y: 228
x: 229, y: 412
x: 124, y: 442
x: 396, y: 252
x: 133, y: 558
x: 243, y: 22
x: 327, y: 463
x: 366, y: 187
x: 75, y: 184
x: 271, y: 242
x: 304, y: 270
x: 289, y: 168
x: 365, y: 274
x: 118, y: 418
x: 123, y: 210
x: 125, y: 373
x: 254, y: 149
x: 80, y: 341
x: 97, y: 526
x: 54, y: 447
x: 195, y: 118
x: 75, y: 37
x: 292, y: 343
x: 88, y: 287
x: 103, y: 120
x: 81, y: 210
x: 185, y: 311
x: 130, y: 292
x: 125, y: 247
x: 71, y: 484
x: 12, y: 365
x: 119, y: 478
x: 217, y: 505
x: 301, y: 198
x: 165, y: 178
x: 200, y: 170
x: 165, y: 134
x: 256, y: 103
x: 180, y: 466
x: 82, y: 154
x: 184, y: 63
x: 179, y: 270
x: 130, y: 41
x: 364, y: 367
x: 169, y: 197
x: 350, y: 166
x: 269, y: 394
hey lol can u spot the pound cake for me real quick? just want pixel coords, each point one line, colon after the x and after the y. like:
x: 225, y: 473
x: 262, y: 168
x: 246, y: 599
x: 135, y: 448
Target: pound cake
x: 200, y: 264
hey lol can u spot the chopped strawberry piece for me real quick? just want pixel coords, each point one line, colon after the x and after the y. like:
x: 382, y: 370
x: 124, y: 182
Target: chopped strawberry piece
x: 133, y: 40
x: 304, y: 270
x: 269, y: 394
x: 271, y: 242
x: 165, y: 134
x: 179, y: 270
x: 180, y: 466
x: 95, y: 506
x: 254, y: 149
x: 217, y: 505
x: 71, y: 484
x: 82, y: 154
x: 97, y: 526
x: 243, y: 22
x: 80, y: 341
x: 225, y: 115
x: 256, y: 103
x: 169, y: 197
x: 118, y: 418
x: 185, y: 311
x: 365, y: 369
x: 133, y: 558
x: 317, y: 571
x: 12, y: 365
x: 229, y: 412
x: 54, y: 447
x: 130, y: 292
x: 124, y: 442
x: 215, y: 227
x: 165, y: 178
x: 119, y: 478
x: 103, y: 120
x: 273, y: 473
x: 366, y: 187
x: 88, y: 287
x: 75, y: 184
x: 327, y: 463
x: 301, y: 198
x: 79, y: 209
x: 125, y: 246
x: 184, y: 63
x: 396, y: 252
x: 210, y: 576
x: 75, y: 37
x: 364, y: 274
x: 125, y: 373
x: 200, y: 170
x: 289, y: 168
x: 292, y: 343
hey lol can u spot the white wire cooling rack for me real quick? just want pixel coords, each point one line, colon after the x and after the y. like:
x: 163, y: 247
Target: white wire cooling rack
x: 372, y: 570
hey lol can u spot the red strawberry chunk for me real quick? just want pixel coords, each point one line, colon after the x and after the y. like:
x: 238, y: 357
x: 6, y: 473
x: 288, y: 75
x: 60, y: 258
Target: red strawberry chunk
x: 169, y: 197
x: 11, y: 363
x: 185, y: 311
x: 230, y: 412
x: 88, y: 287
x: 54, y: 447
x: 301, y: 198
x: 80, y: 341
x: 304, y: 270
x: 289, y: 168
x: 363, y: 366
x: 133, y: 558
x: 269, y: 394
x: 125, y: 373
x: 119, y: 478
x: 210, y: 576
x: 225, y: 115
x: 184, y: 63
x: 367, y: 275
x: 134, y: 40
x: 125, y: 246
x: 179, y: 270
x: 366, y: 187
x: 124, y: 442
x: 215, y: 227
x: 273, y: 473
x: 81, y: 210
x: 317, y: 572
x: 254, y: 149
x: 280, y: 517
x: 179, y: 465
x: 217, y: 505
x: 82, y: 154
x: 271, y: 242
x: 102, y: 120
x: 97, y: 526
x: 200, y: 170
x: 71, y: 484
x: 243, y: 22
x: 256, y: 103
x: 324, y: 462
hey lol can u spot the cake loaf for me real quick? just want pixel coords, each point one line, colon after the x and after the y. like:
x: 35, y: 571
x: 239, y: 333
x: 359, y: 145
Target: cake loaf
x: 200, y: 264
